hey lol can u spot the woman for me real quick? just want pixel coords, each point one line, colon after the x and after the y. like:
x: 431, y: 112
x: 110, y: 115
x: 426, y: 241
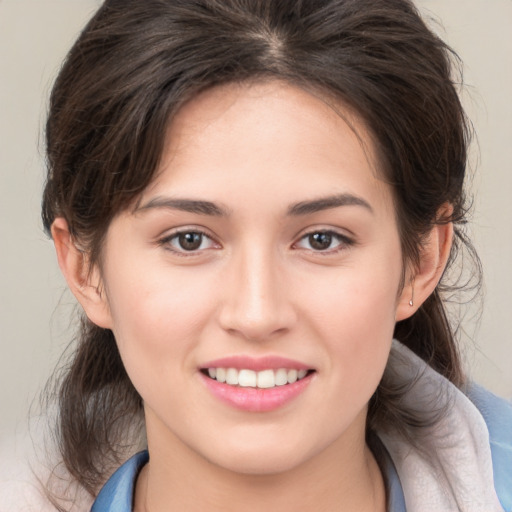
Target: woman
x: 250, y: 200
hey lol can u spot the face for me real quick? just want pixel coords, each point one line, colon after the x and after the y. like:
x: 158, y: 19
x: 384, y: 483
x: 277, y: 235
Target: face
x: 266, y: 253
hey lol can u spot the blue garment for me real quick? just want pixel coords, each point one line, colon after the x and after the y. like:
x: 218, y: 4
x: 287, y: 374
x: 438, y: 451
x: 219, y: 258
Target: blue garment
x: 497, y: 414
x: 117, y: 493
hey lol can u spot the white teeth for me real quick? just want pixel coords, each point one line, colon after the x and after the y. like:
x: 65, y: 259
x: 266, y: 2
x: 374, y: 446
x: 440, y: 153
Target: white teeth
x: 292, y: 376
x: 266, y: 379
x: 232, y: 376
x: 281, y: 377
x: 263, y: 379
x: 220, y: 374
x: 247, y: 378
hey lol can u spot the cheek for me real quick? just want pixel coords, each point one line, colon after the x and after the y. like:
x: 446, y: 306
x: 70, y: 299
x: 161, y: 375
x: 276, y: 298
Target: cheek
x: 156, y: 316
x: 355, y: 316
x: 358, y: 301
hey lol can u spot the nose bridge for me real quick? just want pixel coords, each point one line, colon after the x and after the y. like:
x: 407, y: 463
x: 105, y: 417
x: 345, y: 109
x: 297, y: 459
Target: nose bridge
x: 256, y: 305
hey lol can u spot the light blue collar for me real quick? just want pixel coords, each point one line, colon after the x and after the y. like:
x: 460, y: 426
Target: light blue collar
x: 117, y: 494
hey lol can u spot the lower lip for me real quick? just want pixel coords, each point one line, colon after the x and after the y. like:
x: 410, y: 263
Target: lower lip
x: 256, y: 399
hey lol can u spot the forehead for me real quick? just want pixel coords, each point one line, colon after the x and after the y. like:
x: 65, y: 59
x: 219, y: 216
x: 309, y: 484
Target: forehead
x: 242, y: 135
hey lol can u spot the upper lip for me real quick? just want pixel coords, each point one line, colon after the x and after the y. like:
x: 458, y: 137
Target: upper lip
x: 256, y: 363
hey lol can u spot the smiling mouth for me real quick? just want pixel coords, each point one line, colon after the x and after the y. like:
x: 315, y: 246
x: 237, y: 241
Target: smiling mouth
x: 263, y: 379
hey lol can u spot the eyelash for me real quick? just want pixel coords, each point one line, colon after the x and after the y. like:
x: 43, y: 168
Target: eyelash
x: 343, y: 242
x: 166, y: 242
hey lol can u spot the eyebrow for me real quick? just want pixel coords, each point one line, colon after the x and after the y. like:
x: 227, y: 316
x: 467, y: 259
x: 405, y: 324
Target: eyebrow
x: 326, y: 203
x: 187, y: 205
x: 202, y: 207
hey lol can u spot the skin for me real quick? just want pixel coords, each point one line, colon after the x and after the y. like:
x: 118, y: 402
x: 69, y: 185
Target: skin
x: 256, y: 286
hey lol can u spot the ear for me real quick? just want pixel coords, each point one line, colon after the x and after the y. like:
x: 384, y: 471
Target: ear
x: 422, y: 281
x: 84, y: 282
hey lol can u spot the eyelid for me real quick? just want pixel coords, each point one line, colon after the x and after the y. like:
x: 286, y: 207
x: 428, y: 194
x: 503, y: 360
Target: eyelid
x: 165, y: 239
x: 345, y: 241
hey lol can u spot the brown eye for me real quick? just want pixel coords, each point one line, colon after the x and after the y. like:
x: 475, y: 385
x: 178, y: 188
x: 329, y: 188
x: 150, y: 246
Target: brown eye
x: 190, y: 241
x: 329, y: 242
x: 320, y: 241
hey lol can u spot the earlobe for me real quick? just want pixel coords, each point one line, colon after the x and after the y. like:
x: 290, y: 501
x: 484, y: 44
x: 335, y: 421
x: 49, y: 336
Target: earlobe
x: 421, y: 283
x: 84, y: 282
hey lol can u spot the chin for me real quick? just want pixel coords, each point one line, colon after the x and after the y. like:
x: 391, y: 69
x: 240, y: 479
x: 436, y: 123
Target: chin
x: 258, y: 465
x: 260, y: 459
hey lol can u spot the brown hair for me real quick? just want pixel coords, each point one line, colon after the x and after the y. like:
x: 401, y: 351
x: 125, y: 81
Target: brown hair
x: 136, y: 63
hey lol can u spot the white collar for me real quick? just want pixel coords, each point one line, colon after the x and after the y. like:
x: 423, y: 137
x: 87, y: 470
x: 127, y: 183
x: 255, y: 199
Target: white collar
x: 452, y: 471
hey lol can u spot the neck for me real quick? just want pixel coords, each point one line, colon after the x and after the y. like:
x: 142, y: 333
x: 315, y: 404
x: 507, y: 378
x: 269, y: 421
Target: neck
x: 339, y: 479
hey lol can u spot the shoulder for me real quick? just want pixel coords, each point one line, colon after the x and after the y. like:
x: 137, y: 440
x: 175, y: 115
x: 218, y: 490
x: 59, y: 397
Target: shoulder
x: 117, y: 494
x: 465, y: 456
x: 497, y: 414
x: 28, y: 466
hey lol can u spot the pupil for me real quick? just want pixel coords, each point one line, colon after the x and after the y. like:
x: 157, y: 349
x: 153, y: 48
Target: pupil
x: 190, y: 241
x: 320, y: 241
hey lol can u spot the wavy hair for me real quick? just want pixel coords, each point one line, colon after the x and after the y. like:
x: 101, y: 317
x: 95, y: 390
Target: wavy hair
x: 136, y: 63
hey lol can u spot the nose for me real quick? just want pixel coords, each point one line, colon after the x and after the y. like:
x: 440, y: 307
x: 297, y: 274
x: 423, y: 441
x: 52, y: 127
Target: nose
x: 257, y: 305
